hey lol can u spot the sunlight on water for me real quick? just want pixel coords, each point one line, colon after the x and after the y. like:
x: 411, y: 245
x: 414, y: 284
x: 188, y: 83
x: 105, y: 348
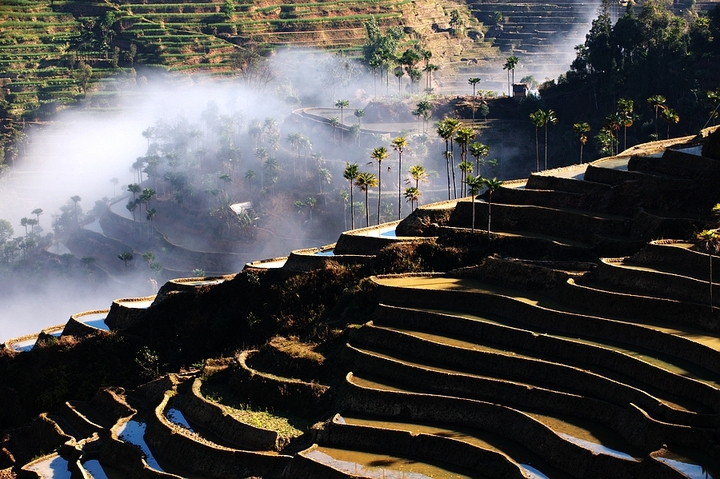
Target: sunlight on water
x: 595, y: 447
x: 693, y: 471
x: 55, y: 467
x: 133, y: 432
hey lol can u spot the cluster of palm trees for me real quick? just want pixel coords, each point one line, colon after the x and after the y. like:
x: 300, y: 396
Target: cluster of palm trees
x: 710, y: 240
x: 141, y: 196
x: 364, y: 181
x: 452, y: 131
x: 542, y: 119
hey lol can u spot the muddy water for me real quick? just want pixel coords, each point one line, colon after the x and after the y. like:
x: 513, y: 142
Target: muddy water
x: 381, y: 465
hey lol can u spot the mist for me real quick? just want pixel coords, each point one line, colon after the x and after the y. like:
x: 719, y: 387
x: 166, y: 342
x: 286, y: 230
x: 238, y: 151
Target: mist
x: 85, y: 148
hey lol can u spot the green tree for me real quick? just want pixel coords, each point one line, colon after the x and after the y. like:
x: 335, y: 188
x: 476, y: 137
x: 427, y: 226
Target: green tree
x: 478, y: 150
x: 359, y: 114
x: 125, y: 257
x: 364, y: 182
x: 249, y: 175
x: 412, y: 195
x: 491, y: 185
x: 76, y: 199
x: 711, y: 243
x: 228, y: 9
x: 418, y: 174
x: 658, y: 103
x: 379, y: 154
x: 463, y: 136
x: 475, y: 183
x: 342, y: 104
x: 351, y: 173
x: 582, y: 129
x: 473, y: 81
x: 399, y: 144
x: 538, y: 120
x: 446, y: 130
x: 510, y: 64
x: 627, y: 116
x: 671, y: 117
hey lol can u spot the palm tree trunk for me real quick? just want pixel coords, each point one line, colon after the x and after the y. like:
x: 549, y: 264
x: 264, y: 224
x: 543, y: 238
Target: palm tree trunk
x: 546, y: 146
x: 399, y: 181
x: 537, y: 151
x: 489, y: 210
x: 379, y: 189
x: 367, y: 211
x: 352, y: 208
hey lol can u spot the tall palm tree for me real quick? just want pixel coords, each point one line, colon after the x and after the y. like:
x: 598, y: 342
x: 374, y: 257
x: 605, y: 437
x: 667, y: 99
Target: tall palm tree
x: 478, y: 150
x: 550, y: 119
x: 492, y: 185
x: 475, y: 183
x: 463, y: 136
x: 581, y: 129
x: 37, y: 212
x: 379, y: 154
x: 249, y: 175
x: 342, y: 104
x: 399, y: 144
x: 670, y: 117
x: 613, y: 122
x: 364, y: 182
x: 711, y: 241
x: 351, y: 173
x: 473, y: 81
x: 625, y: 110
x: 510, y: 64
x: 446, y: 130
x: 359, y: 114
x: 76, y: 199
x: 466, y: 169
x: 538, y: 119
x: 658, y: 103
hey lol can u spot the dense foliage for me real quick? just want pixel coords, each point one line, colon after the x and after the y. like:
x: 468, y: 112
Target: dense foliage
x: 653, y: 52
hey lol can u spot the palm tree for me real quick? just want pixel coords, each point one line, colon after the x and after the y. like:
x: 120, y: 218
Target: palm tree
x: 342, y: 104
x: 351, y: 173
x: 492, y: 185
x: 412, y: 195
x: 134, y: 188
x: 466, y: 169
x: 364, y: 182
x: 24, y: 223
x: 379, y: 154
x: 581, y: 129
x: 670, y: 117
x: 446, y: 130
x: 538, y: 119
x: 149, y: 215
x: 711, y: 241
x: 550, y: 119
x: 475, y: 183
x: 131, y: 207
x: 334, y: 122
x: 478, y: 150
x: 114, y: 181
x: 37, y: 212
x: 613, y: 122
x: 463, y: 136
x: 510, y: 64
x: 359, y: 114
x: 76, y: 199
x: 625, y: 109
x: 399, y: 144
x: 429, y: 69
x: 658, y: 103
x: 249, y: 175
x: 473, y: 81
x: 125, y: 256
x: 398, y: 72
